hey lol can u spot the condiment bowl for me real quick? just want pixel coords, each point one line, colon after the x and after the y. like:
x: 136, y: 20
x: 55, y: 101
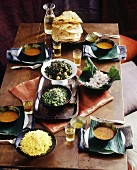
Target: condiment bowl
x: 78, y: 122
x: 31, y: 52
x: 104, y: 131
x: 9, y: 114
x: 54, y: 99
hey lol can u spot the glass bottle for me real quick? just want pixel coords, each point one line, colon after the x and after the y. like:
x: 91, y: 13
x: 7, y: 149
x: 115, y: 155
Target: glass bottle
x: 49, y: 16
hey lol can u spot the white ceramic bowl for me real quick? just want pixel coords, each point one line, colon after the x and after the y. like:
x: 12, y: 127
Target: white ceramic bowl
x: 60, y: 82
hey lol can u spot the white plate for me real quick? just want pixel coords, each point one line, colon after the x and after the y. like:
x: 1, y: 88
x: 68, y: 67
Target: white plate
x: 61, y: 82
x: 104, y: 152
x: 26, y: 120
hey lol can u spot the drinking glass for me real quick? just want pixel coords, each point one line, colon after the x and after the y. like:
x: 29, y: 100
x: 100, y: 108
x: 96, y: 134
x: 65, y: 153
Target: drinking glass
x: 77, y: 54
x: 56, y: 49
x: 70, y: 133
x: 28, y: 105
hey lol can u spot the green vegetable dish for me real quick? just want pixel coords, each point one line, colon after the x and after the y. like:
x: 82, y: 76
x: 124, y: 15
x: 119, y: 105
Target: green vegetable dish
x: 55, y: 97
x: 58, y: 70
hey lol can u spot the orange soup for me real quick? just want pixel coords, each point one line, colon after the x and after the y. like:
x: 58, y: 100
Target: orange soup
x: 104, y: 133
x: 104, y: 45
x: 32, y: 51
x: 8, y: 116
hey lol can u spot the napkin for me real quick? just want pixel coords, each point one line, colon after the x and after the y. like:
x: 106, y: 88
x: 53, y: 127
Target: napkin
x: 26, y: 90
x: 29, y: 89
x: 113, y: 146
x: 116, y: 54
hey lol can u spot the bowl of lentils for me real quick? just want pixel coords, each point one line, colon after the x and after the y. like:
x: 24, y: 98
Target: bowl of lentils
x: 59, y: 70
x: 54, y: 96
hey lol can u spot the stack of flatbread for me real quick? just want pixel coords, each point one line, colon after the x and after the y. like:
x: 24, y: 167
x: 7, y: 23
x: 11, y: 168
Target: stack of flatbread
x: 67, y: 27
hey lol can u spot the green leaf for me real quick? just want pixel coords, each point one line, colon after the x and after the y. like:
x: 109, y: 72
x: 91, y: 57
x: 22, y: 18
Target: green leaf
x: 88, y: 71
x: 113, y: 74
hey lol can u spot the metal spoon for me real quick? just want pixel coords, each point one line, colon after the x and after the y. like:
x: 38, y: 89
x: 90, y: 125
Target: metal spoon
x: 32, y: 67
x: 108, y: 35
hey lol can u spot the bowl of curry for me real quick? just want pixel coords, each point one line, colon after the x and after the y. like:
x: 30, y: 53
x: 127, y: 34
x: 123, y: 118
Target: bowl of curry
x: 104, y: 131
x: 31, y: 52
x: 104, y: 45
x: 9, y: 114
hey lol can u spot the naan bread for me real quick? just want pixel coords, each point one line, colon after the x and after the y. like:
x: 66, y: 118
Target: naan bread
x: 68, y: 16
x: 67, y: 27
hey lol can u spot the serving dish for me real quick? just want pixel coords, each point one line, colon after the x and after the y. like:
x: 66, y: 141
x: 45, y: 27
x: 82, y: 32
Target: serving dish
x: 66, y: 112
x: 97, y: 80
x: 54, y: 97
x: 63, y: 81
x: 21, y: 136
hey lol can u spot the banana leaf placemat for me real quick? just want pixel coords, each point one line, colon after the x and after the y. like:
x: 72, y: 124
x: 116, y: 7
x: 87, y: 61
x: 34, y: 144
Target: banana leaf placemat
x: 109, y: 148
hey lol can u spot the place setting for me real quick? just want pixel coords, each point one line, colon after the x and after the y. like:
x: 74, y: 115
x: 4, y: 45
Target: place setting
x: 32, y: 53
x: 105, y: 138
x: 103, y: 47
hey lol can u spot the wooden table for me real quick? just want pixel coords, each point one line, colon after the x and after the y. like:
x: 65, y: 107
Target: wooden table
x: 65, y: 155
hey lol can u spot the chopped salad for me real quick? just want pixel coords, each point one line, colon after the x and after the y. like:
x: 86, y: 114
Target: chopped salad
x: 55, y: 97
x: 58, y: 70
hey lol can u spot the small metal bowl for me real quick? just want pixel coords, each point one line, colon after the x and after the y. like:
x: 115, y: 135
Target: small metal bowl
x: 104, y: 45
x: 104, y: 131
x: 91, y: 38
x: 31, y: 52
x: 7, y: 117
x: 78, y: 122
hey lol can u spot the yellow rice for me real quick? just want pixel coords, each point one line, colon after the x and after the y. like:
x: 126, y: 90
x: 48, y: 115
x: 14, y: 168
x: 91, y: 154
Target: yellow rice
x: 35, y: 143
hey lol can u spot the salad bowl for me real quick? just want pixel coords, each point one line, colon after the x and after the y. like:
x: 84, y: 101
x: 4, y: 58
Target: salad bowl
x: 97, y: 80
x: 59, y: 70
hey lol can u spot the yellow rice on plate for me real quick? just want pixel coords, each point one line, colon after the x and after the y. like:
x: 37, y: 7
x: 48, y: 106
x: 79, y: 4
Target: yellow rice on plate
x: 36, y: 143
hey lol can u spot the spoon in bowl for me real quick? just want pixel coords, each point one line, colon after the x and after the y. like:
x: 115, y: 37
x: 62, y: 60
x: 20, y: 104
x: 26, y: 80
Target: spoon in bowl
x: 32, y: 67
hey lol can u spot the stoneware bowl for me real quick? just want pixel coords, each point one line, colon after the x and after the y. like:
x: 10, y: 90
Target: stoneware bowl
x: 46, y: 89
x: 104, y: 131
x: 31, y: 52
x: 25, y: 131
x: 9, y: 114
x: 104, y: 45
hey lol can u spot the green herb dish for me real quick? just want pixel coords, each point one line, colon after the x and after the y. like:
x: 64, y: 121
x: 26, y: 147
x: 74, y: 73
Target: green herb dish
x: 54, y: 96
x: 97, y: 80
